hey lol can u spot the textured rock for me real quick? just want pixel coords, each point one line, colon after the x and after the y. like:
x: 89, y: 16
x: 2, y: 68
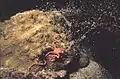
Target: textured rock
x: 92, y: 71
x: 26, y: 35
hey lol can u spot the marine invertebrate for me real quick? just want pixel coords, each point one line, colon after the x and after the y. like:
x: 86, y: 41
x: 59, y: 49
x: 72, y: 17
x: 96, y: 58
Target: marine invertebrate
x: 50, y: 54
x: 57, y: 51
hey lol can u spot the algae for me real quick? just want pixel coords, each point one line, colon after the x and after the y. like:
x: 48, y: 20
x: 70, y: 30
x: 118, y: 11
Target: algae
x: 26, y: 35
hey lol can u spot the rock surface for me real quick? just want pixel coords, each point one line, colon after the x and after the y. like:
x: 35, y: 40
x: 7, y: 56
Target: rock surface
x: 26, y: 35
x: 92, y: 71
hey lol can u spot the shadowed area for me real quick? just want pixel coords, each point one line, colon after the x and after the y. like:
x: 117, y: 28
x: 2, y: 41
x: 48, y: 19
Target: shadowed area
x: 106, y: 46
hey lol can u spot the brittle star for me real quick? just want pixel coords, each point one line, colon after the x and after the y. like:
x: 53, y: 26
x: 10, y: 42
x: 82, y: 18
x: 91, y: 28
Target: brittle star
x: 52, y: 55
x: 57, y: 51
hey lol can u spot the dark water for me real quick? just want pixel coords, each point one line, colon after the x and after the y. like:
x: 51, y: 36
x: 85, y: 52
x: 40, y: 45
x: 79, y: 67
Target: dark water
x: 11, y: 7
x: 104, y: 41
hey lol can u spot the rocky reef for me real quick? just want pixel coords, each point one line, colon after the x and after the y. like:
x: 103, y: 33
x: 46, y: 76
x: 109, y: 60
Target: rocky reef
x: 29, y: 35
